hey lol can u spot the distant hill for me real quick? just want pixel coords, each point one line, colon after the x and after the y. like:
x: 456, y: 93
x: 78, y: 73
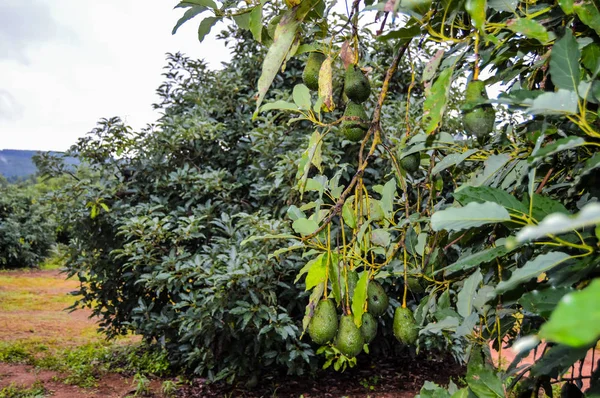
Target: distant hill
x: 18, y: 164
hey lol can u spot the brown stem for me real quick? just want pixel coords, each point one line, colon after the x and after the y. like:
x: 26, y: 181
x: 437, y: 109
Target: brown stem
x: 544, y: 181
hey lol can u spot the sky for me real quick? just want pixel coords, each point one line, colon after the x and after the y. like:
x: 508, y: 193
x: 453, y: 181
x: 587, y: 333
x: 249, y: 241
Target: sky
x: 64, y: 64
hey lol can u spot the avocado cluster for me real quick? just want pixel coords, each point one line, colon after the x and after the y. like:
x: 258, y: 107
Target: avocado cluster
x: 478, y: 117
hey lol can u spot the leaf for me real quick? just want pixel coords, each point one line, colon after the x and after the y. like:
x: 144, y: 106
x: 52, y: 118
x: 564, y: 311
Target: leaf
x: 543, y: 302
x: 590, y: 58
x: 381, y: 237
x: 256, y: 23
x: 473, y: 260
x: 532, y: 269
x: 301, y: 95
x: 205, y: 3
x: 482, y: 380
x: 436, y: 98
x: 559, y: 223
x: 205, y: 27
x: 360, y: 297
x: 557, y: 360
x: 304, y: 226
x: 432, y: 66
x: 348, y: 215
x: 576, y: 320
x: 313, y: 300
x: 588, y: 13
x: 347, y: 54
x: 553, y: 103
x: 544, y: 206
x: 279, y: 105
x: 590, y: 165
x: 493, y: 165
x: 403, y: 34
x: 477, y: 10
x: 387, y: 198
x: 567, y: 6
x: 559, y: 145
x: 489, y: 194
x: 189, y: 14
x: 469, y: 216
x: 267, y: 236
x: 285, y: 34
x: 529, y: 28
x: 312, y: 156
x: 326, y: 85
x: 464, y: 303
x: 564, y: 62
x: 503, y: 5
x: 317, y: 271
x: 452, y: 160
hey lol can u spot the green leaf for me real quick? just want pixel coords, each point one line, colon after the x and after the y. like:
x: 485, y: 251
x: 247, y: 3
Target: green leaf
x: 285, y: 33
x: 529, y: 28
x: 402, y: 34
x: 503, y: 5
x: 474, y: 259
x: 477, y: 10
x: 189, y: 14
x: 316, y: 271
x: 489, y: 194
x: 432, y: 66
x: 205, y: 27
x: 205, y: 3
x: 312, y: 156
x: 590, y: 57
x: 301, y: 95
x: 567, y: 6
x: 464, y: 303
x: 387, y: 198
x: 304, y: 226
x: 482, y: 380
x: 576, y: 320
x: 279, y: 105
x: 564, y: 62
x: 543, y: 302
x: 267, y: 236
x: 313, y: 300
x: 559, y: 145
x: 381, y: 237
x: 256, y: 25
x: 436, y: 98
x: 559, y: 102
x: 590, y: 165
x: 493, y: 165
x: 558, y: 223
x: 557, y: 360
x: 469, y: 216
x: 543, y: 206
x: 452, y: 160
x: 588, y: 13
x: 532, y: 269
x: 360, y: 297
x: 348, y: 215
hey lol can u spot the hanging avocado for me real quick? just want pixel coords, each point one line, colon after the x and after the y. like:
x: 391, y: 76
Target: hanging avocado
x: 355, y: 130
x: 368, y: 327
x: 405, y: 327
x: 310, y: 75
x: 349, y: 339
x: 411, y: 162
x: 324, y: 323
x: 377, y: 300
x: 356, y: 85
x: 478, y: 118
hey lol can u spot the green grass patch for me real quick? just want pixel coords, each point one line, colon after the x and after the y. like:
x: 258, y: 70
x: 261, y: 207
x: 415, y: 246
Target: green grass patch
x: 37, y: 390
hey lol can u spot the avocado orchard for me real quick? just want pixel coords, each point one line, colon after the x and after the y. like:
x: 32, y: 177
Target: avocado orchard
x: 492, y: 222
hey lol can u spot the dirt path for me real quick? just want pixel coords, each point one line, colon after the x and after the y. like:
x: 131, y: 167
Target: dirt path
x: 32, y: 314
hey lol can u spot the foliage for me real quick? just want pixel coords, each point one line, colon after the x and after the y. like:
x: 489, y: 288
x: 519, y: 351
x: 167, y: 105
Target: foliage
x: 491, y: 231
x: 27, y: 228
x: 15, y: 391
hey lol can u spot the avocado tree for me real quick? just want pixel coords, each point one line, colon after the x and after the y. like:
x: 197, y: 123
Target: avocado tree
x: 469, y: 211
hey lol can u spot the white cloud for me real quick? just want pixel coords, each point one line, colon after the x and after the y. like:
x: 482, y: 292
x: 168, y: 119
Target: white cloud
x: 98, y: 59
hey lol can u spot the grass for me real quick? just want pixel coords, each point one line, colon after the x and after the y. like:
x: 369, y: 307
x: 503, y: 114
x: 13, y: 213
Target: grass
x: 14, y: 391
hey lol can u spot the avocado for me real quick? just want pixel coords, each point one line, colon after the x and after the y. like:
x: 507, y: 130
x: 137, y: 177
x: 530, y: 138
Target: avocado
x: 377, y: 300
x: 368, y: 327
x: 478, y: 118
x: 310, y: 75
x: 411, y: 162
x: 349, y: 339
x: 355, y: 130
x: 405, y: 327
x: 356, y: 85
x: 324, y: 323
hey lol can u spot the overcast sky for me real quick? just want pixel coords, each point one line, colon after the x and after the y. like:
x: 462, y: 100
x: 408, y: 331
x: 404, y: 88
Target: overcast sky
x: 66, y: 63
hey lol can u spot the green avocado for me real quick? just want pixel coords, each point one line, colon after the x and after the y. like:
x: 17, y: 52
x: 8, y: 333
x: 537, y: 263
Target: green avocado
x: 355, y: 130
x: 377, y: 300
x: 411, y: 162
x: 356, y: 85
x: 480, y: 120
x: 324, y: 323
x: 475, y: 92
x: 310, y: 75
x: 405, y: 327
x: 368, y: 327
x: 349, y: 339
